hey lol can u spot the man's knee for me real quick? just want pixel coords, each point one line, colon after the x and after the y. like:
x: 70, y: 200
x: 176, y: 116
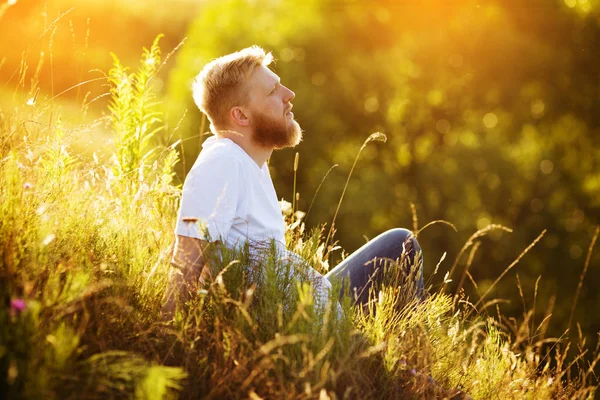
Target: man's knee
x: 400, y: 235
x: 404, y: 241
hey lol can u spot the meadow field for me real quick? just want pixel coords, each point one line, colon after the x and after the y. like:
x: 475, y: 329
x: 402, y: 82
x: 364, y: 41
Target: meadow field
x: 91, y: 169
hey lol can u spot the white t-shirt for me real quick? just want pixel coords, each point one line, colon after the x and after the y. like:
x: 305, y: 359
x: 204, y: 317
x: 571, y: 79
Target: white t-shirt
x: 234, y: 199
x: 232, y: 195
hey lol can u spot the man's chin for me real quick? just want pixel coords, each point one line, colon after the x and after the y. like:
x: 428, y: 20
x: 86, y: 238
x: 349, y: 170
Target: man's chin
x: 296, y: 136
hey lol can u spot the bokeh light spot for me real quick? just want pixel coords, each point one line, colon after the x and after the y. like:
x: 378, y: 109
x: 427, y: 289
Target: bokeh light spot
x: 574, y: 220
x: 466, y: 78
x: 575, y: 252
x: 404, y: 155
x: 423, y: 148
x: 286, y: 55
x: 537, y: 108
x: 451, y: 139
x: 546, y: 166
x: 435, y: 97
x: 450, y: 165
x: 371, y: 104
x: 571, y: 3
x: 157, y: 84
x: 482, y: 222
x: 443, y: 126
x: 318, y: 79
x: 490, y: 120
x: 299, y: 54
x: 551, y: 241
x: 493, y: 181
x: 469, y: 139
x: 536, y: 205
x: 383, y: 15
x: 586, y: 7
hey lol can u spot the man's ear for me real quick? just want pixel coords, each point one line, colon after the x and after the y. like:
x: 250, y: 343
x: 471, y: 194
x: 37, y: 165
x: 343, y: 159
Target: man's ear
x: 239, y: 116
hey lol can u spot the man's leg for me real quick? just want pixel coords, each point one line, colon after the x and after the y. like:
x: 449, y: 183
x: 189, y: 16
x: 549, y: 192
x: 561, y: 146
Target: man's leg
x: 364, y: 273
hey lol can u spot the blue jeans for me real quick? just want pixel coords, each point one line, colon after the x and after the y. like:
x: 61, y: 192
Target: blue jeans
x: 364, y: 273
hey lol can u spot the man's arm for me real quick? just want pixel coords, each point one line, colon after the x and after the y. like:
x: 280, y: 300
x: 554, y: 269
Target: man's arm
x: 189, y: 272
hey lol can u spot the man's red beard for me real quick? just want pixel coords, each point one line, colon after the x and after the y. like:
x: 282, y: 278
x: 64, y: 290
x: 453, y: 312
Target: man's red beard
x: 275, y: 133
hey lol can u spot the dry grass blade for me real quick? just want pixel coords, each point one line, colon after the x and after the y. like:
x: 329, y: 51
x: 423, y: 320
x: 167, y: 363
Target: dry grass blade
x: 71, y: 88
x: 271, y: 345
x: 546, y: 318
x: 521, y: 295
x: 374, y: 137
x: 438, y: 221
x: 582, y: 276
x: 511, y: 266
x: 296, y: 162
x: 469, y: 243
x: 170, y: 54
x: 317, y: 191
x: 494, y: 302
x: 415, y: 219
x: 535, y: 292
x: 469, y: 262
x: 435, y: 271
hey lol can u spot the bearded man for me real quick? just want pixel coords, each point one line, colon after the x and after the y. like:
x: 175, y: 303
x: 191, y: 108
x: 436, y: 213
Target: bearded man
x: 229, y: 190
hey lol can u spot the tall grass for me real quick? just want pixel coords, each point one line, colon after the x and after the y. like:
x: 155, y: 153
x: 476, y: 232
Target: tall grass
x: 84, y: 258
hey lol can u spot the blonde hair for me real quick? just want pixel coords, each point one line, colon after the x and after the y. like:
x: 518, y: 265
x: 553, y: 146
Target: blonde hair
x: 221, y: 83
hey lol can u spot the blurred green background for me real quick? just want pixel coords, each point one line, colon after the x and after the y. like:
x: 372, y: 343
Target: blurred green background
x: 491, y: 109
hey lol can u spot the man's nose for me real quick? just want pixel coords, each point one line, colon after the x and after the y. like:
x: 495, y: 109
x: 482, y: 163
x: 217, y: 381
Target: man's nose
x: 289, y: 95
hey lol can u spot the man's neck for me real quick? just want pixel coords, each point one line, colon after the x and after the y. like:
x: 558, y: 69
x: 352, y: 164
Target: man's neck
x: 259, y: 154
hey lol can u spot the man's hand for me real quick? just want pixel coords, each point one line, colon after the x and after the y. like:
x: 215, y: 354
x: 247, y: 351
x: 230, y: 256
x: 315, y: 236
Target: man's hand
x: 189, y: 273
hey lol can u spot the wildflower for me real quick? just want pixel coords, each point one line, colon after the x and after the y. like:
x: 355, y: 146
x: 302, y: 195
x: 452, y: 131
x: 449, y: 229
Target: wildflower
x: 299, y: 214
x: 286, y: 207
x: 17, y: 306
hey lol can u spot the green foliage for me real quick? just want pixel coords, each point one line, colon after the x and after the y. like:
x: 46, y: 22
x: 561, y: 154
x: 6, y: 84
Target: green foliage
x: 117, y: 372
x: 134, y: 111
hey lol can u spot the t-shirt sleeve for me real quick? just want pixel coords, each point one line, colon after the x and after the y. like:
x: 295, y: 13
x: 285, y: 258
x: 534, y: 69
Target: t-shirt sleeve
x: 210, y: 198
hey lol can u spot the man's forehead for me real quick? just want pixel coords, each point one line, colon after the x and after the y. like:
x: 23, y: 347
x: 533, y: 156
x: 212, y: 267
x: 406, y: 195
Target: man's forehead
x: 265, y: 76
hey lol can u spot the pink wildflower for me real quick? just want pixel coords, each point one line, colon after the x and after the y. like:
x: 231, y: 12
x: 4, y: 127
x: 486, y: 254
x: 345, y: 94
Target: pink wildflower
x: 17, y: 305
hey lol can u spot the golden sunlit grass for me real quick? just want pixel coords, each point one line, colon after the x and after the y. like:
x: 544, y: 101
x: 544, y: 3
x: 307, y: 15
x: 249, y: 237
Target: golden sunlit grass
x: 84, y: 252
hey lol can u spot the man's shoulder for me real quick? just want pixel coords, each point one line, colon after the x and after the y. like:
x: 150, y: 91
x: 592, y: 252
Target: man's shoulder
x: 219, y: 156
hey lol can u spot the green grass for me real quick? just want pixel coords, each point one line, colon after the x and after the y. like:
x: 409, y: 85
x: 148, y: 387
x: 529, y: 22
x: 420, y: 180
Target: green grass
x: 86, y: 245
